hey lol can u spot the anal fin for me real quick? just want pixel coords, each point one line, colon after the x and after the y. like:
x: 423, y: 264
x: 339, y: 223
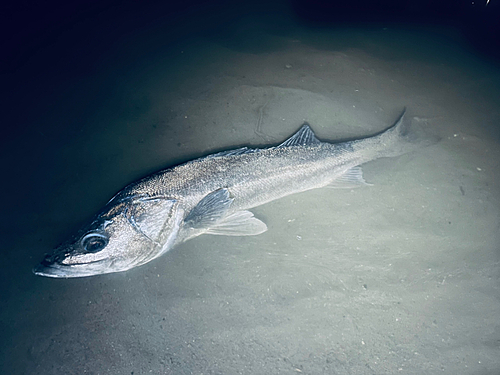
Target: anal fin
x: 352, y: 178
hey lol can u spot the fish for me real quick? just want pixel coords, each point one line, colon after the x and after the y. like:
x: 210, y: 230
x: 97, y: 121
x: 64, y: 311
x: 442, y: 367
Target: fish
x: 213, y: 195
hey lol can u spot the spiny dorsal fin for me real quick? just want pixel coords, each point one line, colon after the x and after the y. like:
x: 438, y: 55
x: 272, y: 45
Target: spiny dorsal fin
x: 238, y: 151
x: 304, y: 137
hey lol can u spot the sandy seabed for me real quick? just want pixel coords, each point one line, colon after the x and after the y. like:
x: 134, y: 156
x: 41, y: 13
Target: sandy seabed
x: 399, y: 277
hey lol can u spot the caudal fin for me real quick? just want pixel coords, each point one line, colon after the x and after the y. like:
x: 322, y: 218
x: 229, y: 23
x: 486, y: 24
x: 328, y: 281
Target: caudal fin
x: 405, y: 136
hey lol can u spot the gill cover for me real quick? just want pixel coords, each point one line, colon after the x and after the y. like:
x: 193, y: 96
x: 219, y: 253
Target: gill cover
x: 152, y: 217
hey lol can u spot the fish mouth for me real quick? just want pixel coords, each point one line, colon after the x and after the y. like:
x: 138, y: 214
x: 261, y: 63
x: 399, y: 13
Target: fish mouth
x: 50, y: 271
x: 61, y: 271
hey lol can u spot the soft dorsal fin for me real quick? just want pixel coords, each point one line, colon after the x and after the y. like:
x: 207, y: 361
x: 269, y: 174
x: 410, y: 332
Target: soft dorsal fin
x: 304, y: 137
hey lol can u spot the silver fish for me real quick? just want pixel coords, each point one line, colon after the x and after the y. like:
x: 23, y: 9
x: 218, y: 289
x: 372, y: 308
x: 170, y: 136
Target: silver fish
x: 212, y: 195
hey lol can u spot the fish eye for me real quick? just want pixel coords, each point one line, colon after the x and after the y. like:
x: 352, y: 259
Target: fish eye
x: 94, y: 242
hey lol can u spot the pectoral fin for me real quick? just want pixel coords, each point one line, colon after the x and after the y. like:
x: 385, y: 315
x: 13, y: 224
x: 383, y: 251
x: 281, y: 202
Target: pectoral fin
x: 241, y: 223
x: 210, y: 214
x: 210, y: 209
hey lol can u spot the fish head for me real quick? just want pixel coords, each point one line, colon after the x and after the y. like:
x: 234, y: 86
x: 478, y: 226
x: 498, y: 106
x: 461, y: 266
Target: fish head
x: 129, y: 232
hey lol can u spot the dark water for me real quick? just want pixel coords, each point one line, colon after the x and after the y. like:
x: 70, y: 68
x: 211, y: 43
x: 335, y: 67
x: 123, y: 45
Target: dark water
x: 400, y: 277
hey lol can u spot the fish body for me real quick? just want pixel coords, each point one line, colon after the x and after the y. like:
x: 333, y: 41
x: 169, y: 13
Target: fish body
x: 212, y: 195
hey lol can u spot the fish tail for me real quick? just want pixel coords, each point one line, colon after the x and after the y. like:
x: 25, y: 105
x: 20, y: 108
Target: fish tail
x: 403, y: 137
